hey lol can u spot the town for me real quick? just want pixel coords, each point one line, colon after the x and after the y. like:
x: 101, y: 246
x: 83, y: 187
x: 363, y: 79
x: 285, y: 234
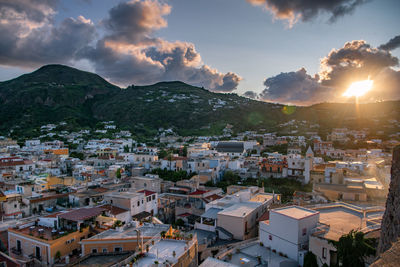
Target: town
x: 255, y: 198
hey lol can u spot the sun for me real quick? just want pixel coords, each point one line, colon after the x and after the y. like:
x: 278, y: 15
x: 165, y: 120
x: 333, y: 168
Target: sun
x: 359, y: 88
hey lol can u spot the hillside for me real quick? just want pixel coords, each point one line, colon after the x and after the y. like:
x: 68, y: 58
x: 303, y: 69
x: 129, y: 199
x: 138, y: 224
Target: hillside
x: 56, y: 93
x: 50, y: 94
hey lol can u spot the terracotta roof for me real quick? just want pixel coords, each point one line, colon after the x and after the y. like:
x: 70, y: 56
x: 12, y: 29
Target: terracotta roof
x: 100, y: 189
x: 264, y: 217
x: 147, y: 192
x: 44, y: 198
x: 114, y: 210
x: 82, y: 214
x: 198, y: 192
x: 184, y: 214
x: 211, y: 198
x: 142, y: 215
x: 15, y: 163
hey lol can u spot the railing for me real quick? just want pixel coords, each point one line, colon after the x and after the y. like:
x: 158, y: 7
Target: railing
x: 16, y: 251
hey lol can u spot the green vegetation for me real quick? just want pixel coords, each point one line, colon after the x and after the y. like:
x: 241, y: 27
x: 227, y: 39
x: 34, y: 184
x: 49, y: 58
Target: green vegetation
x: 77, y: 155
x: 83, y: 100
x: 310, y: 260
x: 282, y: 149
x: 118, y: 173
x: 285, y: 186
x: 352, y: 248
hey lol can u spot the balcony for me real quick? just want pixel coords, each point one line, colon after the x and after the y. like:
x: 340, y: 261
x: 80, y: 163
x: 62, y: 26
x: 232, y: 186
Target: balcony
x: 16, y: 251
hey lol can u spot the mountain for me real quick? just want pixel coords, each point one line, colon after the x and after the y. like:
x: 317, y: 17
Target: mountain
x: 50, y: 94
x: 56, y: 93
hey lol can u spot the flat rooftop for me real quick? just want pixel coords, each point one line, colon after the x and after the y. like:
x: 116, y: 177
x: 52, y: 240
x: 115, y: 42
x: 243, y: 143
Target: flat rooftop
x: 261, y: 198
x: 128, y: 195
x: 240, y: 209
x: 295, y: 212
x: 342, y: 219
x: 162, y: 251
x: 101, y: 260
x: 128, y: 233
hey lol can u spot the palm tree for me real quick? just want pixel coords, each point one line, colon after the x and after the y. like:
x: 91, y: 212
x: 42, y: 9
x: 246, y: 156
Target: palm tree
x: 352, y: 248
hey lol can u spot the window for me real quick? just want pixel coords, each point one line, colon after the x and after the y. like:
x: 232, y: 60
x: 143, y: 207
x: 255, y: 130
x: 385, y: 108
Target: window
x: 104, y: 250
x: 117, y: 249
x: 304, y: 231
x: 94, y: 250
x: 270, y: 237
x: 138, y: 203
x: 142, y: 201
x: 18, y: 245
x: 324, y: 251
x: 154, y: 197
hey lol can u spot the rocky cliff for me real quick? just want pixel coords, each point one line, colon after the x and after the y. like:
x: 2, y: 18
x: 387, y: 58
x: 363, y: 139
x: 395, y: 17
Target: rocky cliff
x: 390, y: 230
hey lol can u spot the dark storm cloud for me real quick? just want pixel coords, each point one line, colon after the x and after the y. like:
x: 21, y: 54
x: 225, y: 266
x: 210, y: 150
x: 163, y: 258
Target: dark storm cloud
x: 129, y: 54
x: 305, y: 10
x: 251, y: 94
x: 294, y: 87
x: 392, y: 44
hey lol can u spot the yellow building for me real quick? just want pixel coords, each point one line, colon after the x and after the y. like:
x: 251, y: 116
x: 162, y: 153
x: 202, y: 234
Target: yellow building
x: 118, y: 240
x: 53, y: 237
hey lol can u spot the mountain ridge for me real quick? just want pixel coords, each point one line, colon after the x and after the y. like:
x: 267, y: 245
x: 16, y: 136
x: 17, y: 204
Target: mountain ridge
x: 56, y: 93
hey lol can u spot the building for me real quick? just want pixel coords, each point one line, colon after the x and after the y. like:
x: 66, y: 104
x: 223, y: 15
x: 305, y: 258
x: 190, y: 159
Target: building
x: 53, y: 237
x: 122, y: 239
x: 287, y: 231
x: 232, y: 149
x: 337, y: 219
x: 135, y: 202
x: 149, y: 182
x: 273, y: 167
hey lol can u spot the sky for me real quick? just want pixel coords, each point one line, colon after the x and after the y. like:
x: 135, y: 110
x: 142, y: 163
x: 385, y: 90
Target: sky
x: 288, y: 51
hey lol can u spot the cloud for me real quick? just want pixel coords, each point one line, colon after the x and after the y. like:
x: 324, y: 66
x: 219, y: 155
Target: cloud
x: 122, y: 47
x: 294, y: 87
x: 356, y: 60
x: 251, y: 94
x: 392, y: 44
x: 134, y: 21
x: 130, y: 54
x: 28, y: 39
x: 306, y: 10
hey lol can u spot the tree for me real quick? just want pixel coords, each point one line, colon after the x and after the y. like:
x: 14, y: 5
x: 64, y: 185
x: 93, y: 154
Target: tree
x: 77, y: 155
x: 118, y: 173
x: 310, y: 260
x: 352, y: 248
x: 180, y: 222
x: 58, y: 255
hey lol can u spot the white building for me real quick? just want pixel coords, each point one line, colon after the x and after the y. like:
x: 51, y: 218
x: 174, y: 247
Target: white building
x: 136, y: 202
x: 287, y: 231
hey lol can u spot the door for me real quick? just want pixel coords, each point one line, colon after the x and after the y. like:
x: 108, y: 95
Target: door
x: 37, y: 253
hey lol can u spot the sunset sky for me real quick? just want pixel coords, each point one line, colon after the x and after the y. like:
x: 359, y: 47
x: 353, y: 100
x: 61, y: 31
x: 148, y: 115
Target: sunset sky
x: 298, y: 52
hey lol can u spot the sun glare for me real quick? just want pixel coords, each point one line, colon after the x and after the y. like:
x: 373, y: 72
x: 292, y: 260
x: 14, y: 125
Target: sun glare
x: 359, y: 88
